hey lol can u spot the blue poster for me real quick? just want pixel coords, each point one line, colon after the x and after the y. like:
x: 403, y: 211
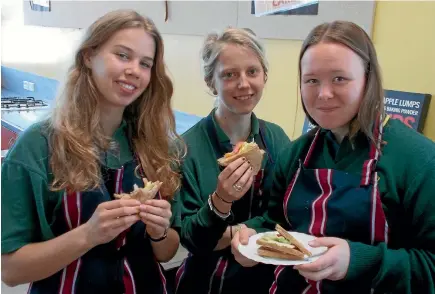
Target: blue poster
x: 409, y: 108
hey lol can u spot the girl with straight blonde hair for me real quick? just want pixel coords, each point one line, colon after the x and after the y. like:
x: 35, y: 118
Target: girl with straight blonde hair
x: 63, y: 230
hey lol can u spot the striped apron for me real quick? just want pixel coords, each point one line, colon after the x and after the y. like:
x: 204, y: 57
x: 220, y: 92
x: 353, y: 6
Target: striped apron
x: 333, y: 203
x: 124, y: 265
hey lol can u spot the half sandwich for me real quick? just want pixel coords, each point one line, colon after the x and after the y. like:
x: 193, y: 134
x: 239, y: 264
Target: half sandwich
x: 282, y: 245
x: 149, y: 191
x: 250, y: 151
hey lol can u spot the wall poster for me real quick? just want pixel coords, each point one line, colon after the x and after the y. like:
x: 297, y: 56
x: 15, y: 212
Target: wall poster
x: 284, y: 7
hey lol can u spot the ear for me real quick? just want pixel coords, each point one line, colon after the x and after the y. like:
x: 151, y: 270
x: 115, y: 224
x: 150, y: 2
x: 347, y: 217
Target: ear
x: 265, y: 78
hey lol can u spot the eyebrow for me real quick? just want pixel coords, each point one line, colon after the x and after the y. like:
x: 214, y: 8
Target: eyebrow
x: 236, y: 68
x: 333, y: 71
x: 131, y: 50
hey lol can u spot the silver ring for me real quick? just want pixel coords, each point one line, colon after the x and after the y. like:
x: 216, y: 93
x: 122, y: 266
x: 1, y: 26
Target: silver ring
x: 237, y: 187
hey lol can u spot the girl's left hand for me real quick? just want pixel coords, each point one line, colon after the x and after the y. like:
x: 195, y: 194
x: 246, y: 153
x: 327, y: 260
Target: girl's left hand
x: 332, y: 265
x: 156, y: 214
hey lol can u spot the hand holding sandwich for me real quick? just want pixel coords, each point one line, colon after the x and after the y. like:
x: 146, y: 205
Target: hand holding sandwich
x: 110, y: 219
x: 242, y: 164
x: 333, y: 265
x: 156, y: 214
x: 234, y: 181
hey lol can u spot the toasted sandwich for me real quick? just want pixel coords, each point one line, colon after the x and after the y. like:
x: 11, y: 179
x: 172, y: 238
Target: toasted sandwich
x: 250, y: 151
x: 148, y: 192
x: 283, y: 245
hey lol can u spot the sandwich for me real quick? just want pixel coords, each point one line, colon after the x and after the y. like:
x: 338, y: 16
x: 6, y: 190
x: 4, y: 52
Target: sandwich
x: 148, y: 192
x: 282, y: 245
x: 250, y: 151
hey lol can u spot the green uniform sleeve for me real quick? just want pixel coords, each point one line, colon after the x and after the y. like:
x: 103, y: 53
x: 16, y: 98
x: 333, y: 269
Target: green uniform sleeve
x: 20, y: 224
x: 25, y: 194
x: 284, y: 141
x: 275, y: 213
x: 404, y: 270
x: 176, y: 213
x: 201, y: 228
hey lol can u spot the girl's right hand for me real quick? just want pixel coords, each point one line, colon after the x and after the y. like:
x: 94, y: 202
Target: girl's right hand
x: 110, y: 219
x: 235, y: 180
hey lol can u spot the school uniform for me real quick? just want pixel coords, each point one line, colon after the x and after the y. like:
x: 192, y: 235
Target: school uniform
x: 381, y: 200
x: 206, y: 270
x: 31, y: 213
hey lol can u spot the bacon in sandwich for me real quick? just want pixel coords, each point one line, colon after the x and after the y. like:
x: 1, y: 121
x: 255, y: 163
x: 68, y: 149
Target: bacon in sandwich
x: 148, y: 192
x: 250, y: 151
x: 283, y: 245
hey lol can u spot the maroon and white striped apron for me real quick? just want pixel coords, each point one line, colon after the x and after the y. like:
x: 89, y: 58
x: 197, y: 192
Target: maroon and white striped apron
x: 332, y: 203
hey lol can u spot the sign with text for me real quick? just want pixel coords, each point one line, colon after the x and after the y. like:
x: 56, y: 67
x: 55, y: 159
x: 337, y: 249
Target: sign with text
x: 286, y: 7
x: 409, y: 108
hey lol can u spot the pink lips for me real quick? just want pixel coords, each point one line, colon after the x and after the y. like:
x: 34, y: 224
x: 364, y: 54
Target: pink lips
x: 327, y: 109
x: 126, y: 90
x: 127, y: 83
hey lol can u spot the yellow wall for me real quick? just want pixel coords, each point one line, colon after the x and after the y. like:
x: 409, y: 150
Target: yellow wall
x: 404, y: 35
x: 405, y: 41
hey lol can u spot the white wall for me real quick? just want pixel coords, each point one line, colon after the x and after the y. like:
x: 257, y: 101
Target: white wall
x: 40, y: 50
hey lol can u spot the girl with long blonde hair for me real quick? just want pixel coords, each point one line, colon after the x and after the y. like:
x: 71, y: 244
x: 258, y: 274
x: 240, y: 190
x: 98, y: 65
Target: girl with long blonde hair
x: 63, y: 230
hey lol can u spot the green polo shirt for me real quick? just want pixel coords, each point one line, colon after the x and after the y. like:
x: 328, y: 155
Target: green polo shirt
x: 201, y: 228
x: 28, y: 205
x: 406, y: 171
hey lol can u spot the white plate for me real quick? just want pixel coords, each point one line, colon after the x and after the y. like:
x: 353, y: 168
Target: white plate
x: 250, y: 250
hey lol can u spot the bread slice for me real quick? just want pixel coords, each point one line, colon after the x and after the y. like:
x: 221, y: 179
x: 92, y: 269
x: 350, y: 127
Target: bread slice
x: 250, y: 151
x: 267, y: 252
x: 148, y: 192
x: 283, y: 248
x: 292, y: 240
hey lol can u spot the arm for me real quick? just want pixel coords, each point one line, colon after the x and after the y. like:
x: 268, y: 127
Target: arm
x: 167, y: 248
x: 230, y: 232
x: 225, y: 240
x: 24, y: 257
x: 201, y: 229
x: 404, y: 270
x: 38, y: 261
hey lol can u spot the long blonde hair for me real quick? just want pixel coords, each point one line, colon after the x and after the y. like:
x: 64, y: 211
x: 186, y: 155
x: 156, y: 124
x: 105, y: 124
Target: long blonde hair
x: 76, y: 136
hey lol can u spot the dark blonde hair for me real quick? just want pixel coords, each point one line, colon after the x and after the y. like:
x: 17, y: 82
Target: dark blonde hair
x: 215, y: 42
x: 76, y: 136
x: 356, y: 39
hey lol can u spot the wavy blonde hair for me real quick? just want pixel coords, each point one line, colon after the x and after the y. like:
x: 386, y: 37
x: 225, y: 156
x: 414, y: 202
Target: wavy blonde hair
x: 76, y: 136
